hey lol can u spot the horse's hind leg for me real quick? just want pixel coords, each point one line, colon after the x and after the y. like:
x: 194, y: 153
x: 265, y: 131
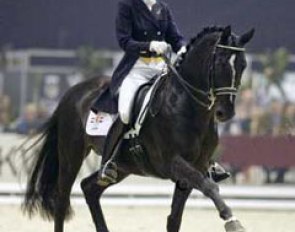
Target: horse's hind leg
x: 180, y: 196
x: 182, y: 170
x: 70, y: 162
x: 62, y: 208
x: 93, y: 192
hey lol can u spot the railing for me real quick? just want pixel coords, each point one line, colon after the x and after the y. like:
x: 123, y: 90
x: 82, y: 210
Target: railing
x: 241, y: 197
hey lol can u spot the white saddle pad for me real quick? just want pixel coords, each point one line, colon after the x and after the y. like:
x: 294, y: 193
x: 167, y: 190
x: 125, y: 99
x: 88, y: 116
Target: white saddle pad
x: 99, y: 124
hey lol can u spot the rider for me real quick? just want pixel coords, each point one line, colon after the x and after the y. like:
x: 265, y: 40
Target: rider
x: 145, y: 29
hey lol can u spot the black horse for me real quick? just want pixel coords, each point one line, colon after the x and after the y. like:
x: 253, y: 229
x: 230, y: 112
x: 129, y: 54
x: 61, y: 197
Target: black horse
x: 179, y: 141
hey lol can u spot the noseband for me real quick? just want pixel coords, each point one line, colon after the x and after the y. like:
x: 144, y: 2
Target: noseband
x: 231, y: 48
x: 214, y: 92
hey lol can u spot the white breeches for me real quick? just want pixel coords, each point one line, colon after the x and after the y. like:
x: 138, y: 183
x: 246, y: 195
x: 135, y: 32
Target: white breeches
x: 140, y: 74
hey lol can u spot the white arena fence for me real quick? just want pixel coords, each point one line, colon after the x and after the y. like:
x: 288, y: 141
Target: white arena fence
x: 15, y: 164
x: 241, y: 197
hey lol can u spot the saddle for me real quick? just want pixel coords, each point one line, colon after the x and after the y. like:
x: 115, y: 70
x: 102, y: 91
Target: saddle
x: 107, y: 103
x: 145, y: 101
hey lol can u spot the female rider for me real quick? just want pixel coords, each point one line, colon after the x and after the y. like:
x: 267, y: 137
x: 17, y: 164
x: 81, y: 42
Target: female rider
x: 144, y: 29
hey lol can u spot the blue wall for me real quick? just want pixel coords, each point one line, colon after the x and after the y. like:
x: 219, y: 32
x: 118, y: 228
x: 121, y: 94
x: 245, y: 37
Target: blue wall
x: 72, y: 23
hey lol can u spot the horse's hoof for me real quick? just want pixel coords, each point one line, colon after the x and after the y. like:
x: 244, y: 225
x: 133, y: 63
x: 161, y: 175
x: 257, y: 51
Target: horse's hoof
x: 234, y: 226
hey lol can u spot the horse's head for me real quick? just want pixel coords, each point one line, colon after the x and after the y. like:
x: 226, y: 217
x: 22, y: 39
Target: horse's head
x: 207, y: 73
x: 229, y: 65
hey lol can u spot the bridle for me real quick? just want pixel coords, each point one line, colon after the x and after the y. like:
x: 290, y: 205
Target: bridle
x: 233, y: 89
x: 210, y: 97
x: 237, y: 49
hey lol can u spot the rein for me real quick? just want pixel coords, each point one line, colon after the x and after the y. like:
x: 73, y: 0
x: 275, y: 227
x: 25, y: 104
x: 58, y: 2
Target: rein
x: 190, y: 90
x: 187, y: 86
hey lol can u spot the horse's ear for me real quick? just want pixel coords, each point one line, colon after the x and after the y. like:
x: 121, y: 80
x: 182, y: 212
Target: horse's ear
x: 225, y: 34
x: 245, y: 38
x: 227, y: 30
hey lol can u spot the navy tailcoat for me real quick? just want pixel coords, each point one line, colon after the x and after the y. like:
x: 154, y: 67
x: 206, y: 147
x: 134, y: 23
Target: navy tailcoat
x: 136, y: 27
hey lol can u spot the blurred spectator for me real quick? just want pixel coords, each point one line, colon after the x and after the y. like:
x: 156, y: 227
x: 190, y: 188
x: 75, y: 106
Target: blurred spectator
x: 257, y: 123
x: 43, y: 114
x: 275, y: 117
x: 241, y: 123
x: 288, y: 121
x: 244, y: 110
x: 30, y: 122
x: 51, y: 92
x: 4, y: 112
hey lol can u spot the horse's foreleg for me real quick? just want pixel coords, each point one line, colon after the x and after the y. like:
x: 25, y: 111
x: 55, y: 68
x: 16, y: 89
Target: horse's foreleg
x: 180, y: 196
x: 92, y: 192
x: 183, y: 171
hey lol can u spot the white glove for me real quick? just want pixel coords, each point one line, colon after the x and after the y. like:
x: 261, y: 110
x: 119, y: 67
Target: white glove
x: 181, y: 51
x: 150, y: 2
x: 159, y: 47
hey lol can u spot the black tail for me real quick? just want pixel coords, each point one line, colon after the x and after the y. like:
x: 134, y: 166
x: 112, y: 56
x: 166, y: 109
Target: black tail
x: 42, y: 184
x: 42, y: 188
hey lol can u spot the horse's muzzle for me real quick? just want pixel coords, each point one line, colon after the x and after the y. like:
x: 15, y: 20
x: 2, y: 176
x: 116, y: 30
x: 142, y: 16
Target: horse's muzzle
x: 222, y: 114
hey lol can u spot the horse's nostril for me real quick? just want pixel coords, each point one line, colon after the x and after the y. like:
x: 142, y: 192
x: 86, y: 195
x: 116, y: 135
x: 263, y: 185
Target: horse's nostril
x: 219, y: 113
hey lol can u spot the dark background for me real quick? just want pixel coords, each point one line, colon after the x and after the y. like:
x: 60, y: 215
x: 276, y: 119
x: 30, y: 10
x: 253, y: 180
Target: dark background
x: 72, y: 23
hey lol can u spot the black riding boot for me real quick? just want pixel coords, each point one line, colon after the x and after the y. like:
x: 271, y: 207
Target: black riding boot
x: 217, y: 173
x: 108, y: 172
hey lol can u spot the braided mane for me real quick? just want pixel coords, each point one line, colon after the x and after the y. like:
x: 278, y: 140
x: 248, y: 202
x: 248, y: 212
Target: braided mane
x: 199, y: 36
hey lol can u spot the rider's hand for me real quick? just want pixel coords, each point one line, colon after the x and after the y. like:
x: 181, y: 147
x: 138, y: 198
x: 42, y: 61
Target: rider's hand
x: 159, y: 47
x: 181, y: 51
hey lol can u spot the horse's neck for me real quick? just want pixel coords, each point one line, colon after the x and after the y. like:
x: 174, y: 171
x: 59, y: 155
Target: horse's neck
x: 196, y: 75
x: 192, y: 86
x: 182, y: 98
x: 186, y: 122
x: 181, y: 104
